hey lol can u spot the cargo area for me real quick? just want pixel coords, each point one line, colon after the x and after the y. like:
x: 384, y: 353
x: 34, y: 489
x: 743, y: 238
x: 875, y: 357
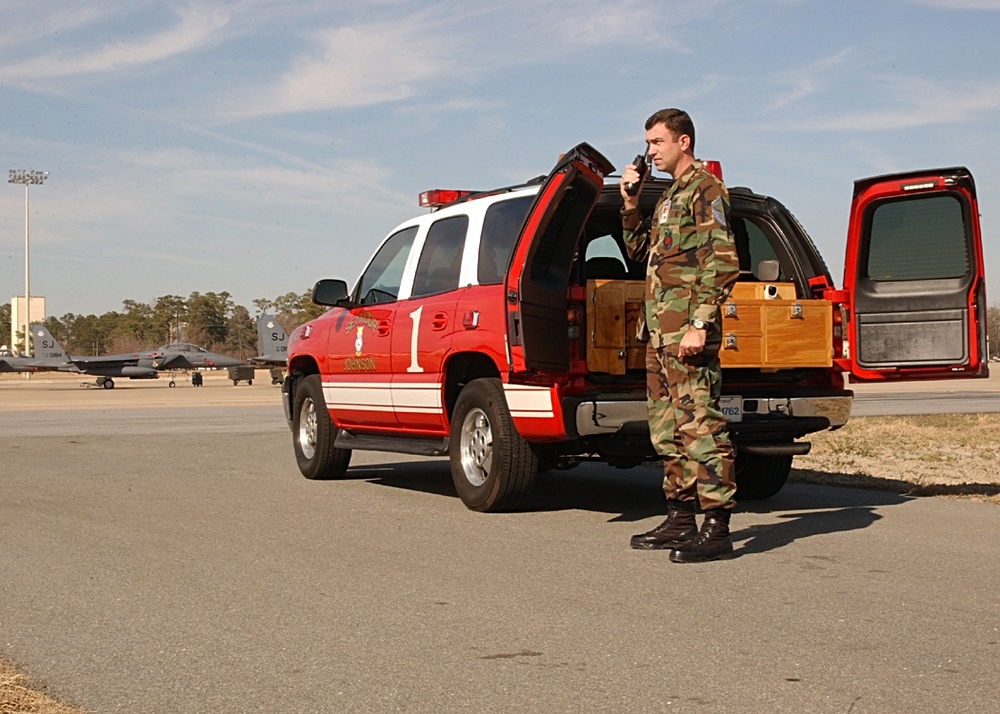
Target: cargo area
x: 764, y: 326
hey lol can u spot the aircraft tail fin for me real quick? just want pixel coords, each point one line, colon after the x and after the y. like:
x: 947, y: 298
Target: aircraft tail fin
x: 272, y: 342
x: 44, y: 345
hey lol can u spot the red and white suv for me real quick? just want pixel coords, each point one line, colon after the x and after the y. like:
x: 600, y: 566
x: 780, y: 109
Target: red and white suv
x: 475, y: 329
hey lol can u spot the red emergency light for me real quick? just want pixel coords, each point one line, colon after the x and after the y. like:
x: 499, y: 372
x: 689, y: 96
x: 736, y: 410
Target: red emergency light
x: 435, y: 198
x: 714, y: 168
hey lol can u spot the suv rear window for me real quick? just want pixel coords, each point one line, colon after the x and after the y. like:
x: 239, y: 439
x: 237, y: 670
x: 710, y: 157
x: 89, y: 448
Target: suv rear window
x: 920, y: 238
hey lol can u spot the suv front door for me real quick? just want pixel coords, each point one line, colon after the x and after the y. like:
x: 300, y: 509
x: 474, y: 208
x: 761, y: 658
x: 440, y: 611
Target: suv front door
x: 915, y: 279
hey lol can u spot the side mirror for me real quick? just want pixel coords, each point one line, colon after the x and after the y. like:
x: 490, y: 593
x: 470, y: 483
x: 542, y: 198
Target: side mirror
x: 329, y: 292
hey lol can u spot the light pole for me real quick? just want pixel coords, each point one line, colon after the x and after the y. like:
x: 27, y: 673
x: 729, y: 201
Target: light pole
x: 27, y: 178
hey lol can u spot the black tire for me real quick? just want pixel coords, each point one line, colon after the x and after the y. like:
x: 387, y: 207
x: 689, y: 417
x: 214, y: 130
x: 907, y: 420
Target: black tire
x: 492, y: 466
x: 760, y: 476
x: 313, y: 434
x: 108, y: 383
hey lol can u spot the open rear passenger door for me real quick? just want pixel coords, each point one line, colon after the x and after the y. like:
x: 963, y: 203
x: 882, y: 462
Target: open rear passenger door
x: 915, y: 279
x: 538, y: 279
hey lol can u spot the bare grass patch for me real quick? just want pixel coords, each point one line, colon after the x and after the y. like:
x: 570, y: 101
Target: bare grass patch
x: 938, y: 454
x: 18, y: 696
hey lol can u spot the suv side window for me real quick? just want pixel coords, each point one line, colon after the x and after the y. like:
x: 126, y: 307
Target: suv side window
x: 380, y: 282
x: 753, y: 246
x: 441, y: 257
x: 501, y: 226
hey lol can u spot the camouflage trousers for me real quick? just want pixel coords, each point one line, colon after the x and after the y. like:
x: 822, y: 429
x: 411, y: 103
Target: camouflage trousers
x: 687, y: 428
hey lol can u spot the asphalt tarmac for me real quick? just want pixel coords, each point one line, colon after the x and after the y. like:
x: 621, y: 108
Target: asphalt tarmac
x: 159, y: 552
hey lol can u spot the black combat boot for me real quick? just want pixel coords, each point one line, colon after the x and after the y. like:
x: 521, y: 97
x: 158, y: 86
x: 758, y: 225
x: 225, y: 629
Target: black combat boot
x: 679, y: 527
x: 711, y: 543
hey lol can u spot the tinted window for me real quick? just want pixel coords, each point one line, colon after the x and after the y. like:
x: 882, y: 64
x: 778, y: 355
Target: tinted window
x: 501, y: 227
x: 381, y: 280
x: 441, y: 258
x: 921, y: 238
x: 758, y: 248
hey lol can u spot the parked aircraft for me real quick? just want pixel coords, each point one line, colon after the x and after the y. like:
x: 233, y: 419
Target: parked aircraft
x: 272, y: 342
x: 11, y: 361
x: 272, y: 347
x: 50, y: 356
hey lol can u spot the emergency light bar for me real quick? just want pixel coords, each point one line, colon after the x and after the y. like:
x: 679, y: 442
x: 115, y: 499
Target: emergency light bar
x: 435, y: 198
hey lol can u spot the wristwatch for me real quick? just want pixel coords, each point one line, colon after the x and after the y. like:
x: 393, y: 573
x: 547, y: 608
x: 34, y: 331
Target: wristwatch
x: 699, y: 324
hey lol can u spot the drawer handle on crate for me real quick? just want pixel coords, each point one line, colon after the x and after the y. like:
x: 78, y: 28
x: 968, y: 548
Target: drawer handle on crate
x: 730, y: 309
x: 797, y: 310
x: 730, y: 341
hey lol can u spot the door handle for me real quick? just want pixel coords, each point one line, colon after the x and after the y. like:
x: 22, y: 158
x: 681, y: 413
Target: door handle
x: 439, y: 321
x: 383, y: 328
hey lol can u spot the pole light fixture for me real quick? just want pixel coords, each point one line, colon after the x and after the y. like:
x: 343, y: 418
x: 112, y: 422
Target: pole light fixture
x: 27, y: 177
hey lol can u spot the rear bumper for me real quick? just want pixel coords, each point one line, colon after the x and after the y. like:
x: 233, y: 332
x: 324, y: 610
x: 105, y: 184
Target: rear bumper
x: 606, y: 414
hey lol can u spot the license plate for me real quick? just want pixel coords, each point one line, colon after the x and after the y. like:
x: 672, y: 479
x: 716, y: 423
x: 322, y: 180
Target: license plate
x: 732, y: 408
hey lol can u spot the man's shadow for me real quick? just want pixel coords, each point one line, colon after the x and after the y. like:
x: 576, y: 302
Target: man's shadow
x: 808, y: 510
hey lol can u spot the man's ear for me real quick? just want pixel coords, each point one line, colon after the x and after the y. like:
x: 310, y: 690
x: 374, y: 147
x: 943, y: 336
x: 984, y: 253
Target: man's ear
x: 685, y: 141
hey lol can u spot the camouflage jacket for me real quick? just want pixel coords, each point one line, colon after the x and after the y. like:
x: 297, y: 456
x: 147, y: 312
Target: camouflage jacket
x: 691, y: 257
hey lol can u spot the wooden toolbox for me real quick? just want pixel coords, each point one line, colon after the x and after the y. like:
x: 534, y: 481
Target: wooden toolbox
x: 763, y: 326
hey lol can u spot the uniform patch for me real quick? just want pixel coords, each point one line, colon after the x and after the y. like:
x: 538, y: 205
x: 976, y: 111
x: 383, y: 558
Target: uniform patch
x: 719, y: 213
x: 664, y: 211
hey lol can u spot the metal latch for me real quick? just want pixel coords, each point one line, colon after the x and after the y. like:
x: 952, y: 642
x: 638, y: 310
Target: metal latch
x: 730, y: 341
x: 730, y: 309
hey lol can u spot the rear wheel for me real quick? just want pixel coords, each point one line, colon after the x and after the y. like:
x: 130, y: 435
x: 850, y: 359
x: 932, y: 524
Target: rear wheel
x: 313, y: 434
x: 492, y: 466
x: 760, y: 476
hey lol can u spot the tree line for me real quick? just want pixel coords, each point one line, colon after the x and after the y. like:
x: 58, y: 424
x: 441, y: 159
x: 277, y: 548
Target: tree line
x: 210, y: 320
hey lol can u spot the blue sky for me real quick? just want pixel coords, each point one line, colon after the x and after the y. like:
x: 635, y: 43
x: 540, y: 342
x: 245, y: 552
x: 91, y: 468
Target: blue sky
x: 254, y: 146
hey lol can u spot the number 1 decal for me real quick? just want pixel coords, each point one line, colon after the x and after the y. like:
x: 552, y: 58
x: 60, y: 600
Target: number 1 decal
x: 415, y: 316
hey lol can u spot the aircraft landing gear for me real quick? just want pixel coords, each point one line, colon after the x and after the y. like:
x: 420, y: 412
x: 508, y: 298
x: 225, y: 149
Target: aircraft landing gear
x: 106, y: 382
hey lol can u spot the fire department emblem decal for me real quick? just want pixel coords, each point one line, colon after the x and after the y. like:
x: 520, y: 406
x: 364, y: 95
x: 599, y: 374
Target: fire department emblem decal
x: 359, y: 341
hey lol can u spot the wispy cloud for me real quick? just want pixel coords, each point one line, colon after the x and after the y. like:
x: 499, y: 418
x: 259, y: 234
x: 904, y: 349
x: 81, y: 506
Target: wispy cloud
x: 807, y: 80
x: 195, y: 28
x: 358, y: 66
x: 960, y: 4
x: 914, y: 102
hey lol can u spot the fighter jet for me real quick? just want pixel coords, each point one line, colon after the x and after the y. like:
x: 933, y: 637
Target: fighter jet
x: 11, y: 361
x: 183, y: 356
x: 272, y: 347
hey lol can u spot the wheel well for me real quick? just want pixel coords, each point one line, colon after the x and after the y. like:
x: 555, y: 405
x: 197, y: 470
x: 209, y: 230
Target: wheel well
x: 461, y: 369
x: 298, y: 369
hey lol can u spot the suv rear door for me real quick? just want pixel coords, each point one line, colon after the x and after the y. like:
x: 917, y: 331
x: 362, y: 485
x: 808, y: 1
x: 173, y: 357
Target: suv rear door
x: 915, y: 279
x: 537, y: 283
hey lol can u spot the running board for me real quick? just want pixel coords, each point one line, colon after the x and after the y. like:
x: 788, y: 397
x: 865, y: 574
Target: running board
x: 396, y: 444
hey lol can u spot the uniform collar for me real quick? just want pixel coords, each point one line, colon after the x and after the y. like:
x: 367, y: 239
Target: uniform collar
x: 685, y: 178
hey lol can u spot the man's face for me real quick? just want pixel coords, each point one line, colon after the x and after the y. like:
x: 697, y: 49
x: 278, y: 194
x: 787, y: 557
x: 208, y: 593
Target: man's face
x: 666, y: 150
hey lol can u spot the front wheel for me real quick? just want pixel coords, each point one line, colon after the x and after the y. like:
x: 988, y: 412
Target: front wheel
x: 492, y: 466
x: 760, y: 476
x: 313, y: 434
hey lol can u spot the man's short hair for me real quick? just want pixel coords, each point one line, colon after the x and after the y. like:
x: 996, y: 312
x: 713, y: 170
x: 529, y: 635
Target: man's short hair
x: 676, y: 120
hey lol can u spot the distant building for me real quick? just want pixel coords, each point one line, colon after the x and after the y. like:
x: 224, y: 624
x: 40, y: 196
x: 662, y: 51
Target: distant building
x: 17, y: 313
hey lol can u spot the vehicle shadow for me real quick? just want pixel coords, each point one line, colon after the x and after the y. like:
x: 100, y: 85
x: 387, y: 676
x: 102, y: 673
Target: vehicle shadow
x: 812, y: 503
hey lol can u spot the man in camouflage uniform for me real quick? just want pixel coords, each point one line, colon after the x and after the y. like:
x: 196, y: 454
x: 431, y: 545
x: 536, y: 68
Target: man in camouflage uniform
x: 692, y: 265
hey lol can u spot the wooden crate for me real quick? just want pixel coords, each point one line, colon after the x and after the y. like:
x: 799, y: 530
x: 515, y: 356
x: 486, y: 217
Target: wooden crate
x: 778, y: 333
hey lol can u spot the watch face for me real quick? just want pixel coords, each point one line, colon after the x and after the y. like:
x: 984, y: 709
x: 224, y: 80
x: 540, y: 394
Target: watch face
x: 698, y: 324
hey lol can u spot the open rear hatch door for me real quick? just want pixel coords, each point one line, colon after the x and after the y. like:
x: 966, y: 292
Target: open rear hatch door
x: 915, y: 279
x: 538, y: 280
